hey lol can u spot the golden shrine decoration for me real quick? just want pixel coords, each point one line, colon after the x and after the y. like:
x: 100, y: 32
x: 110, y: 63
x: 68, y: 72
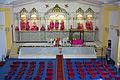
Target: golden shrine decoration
x: 80, y: 14
x: 23, y: 13
x: 56, y: 9
x: 89, y: 13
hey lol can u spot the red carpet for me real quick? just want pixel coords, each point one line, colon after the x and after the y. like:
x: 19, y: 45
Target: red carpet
x: 59, y: 67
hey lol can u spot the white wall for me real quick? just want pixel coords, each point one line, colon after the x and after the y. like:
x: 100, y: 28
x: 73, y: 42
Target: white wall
x: 2, y: 36
x: 41, y: 6
x: 118, y: 51
x: 113, y: 33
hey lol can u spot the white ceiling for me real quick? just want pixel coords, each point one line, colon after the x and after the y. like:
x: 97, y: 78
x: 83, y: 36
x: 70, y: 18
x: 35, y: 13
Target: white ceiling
x: 16, y: 2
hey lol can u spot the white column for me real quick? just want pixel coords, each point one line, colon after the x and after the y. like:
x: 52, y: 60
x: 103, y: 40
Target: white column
x: 19, y: 24
x: 3, y: 49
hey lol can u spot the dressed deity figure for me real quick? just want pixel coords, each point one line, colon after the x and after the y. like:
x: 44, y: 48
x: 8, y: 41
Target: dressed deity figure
x: 48, y: 27
x: 24, y: 24
x: 51, y: 25
x: 34, y: 27
x: 56, y: 25
x: 42, y: 28
x: 27, y: 25
x: 89, y: 25
x: 17, y: 28
x: 62, y: 25
x: 80, y: 26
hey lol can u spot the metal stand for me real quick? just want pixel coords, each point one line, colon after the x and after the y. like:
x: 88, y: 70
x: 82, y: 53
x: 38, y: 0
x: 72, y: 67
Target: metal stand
x: 108, y: 54
x: 101, y: 53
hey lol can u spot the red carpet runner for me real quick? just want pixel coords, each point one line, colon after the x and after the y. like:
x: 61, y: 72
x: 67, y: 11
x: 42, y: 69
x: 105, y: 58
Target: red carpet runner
x: 59, y: 67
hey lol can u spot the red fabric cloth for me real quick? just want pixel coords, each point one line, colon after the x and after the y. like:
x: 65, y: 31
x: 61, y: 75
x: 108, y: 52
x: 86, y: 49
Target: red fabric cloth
x: 80, y: 26
x: 56, y: 25
x: 51, y: 25
x: 62, y: 25
x: 42, y: 28
x: 48, y: 27
x: 89, y: 25
x: 27, y: 25
x: 24, y: 25
x: 16, y: 28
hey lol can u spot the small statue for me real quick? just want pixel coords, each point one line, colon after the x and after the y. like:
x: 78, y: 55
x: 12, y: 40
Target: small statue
x: 56, y: 25
x: 71, y: 27
x: 91, y: 25
x: 48, y: 27
x: 42, y: 28
x: 34, y: 27
x: 80, y: 26
x: 57, y: 41
x: 24, y: 24
x: 62, y: 25
x: 96, y: 28
x: 51, y: 25
x: 16, y: 28
x: 27, y: 25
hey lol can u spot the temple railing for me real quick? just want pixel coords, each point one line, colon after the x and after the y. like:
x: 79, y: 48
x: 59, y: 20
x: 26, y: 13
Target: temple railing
x: 39, y: 36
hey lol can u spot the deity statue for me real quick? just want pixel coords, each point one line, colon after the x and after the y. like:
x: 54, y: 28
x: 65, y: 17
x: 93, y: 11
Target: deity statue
x: 48, y: 27
x: 89, y: 25
x: 17, y: 28
x: 51, y: 25
x: 56, y: 25
x: 80, y: 26
x: 71, y: 27
x: 42, y: 28
x: 34, y: 27
x: 57, y: 41
x: 24, y: 24
x: 27, y: 25
x: 62, y: 25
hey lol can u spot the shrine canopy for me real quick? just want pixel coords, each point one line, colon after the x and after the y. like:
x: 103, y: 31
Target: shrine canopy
x: 57, y: 13
x: 79, y: 14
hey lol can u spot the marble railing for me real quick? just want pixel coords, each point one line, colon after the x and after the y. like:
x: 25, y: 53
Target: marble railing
x: 37, y: 36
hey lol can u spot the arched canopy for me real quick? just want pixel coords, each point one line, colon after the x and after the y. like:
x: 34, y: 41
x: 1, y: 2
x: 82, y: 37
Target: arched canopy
x: 33, y: 13
x: 23, y: 13
x: 80, y: 11
x: 79, y: 14
x: 56, y: 9
x: 89, y: 13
